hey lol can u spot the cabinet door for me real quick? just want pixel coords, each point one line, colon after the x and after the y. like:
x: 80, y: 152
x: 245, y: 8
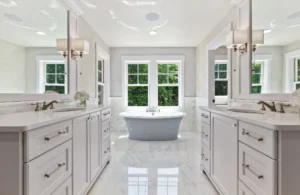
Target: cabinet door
x: 224, y: 154
x: 81, y: 176
x: 95, y: 144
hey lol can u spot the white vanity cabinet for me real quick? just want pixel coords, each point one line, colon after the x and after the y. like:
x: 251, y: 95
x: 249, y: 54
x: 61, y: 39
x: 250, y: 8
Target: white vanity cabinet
x: 224, y: 134
x: 49, y: 155
x: 252, y: 158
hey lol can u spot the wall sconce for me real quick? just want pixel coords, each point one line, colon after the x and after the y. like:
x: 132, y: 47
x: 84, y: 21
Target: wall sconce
x: 79, y: 47
x: 258, y: 38
x: 237, y: 40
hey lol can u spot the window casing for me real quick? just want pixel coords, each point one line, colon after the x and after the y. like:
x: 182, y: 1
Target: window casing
x: 297, y: 73
x: 55, y: 78
x: 160, y: 86
x: 100, y: 81
x: 257, y: 77
x: 221, y: 78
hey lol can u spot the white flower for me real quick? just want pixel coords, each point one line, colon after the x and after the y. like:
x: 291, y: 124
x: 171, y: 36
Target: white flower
x: 81, y: 96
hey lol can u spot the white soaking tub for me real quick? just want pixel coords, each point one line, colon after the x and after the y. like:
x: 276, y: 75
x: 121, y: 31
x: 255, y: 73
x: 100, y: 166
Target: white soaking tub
x: 153, y: 126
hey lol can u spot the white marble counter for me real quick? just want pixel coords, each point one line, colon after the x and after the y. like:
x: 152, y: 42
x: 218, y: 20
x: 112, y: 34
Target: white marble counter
x: 24, y: 121
x: 270, y: 120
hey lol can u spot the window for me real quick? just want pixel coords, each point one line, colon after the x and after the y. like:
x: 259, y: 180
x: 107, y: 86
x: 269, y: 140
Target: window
x: 137, y: 181
x: 137, y: 84
x: 168, y: 85
x: 153, y: 81
x: 221, y: 78
x: 257, y: 77
x: 100, y: 81
x: 55, y: 78
x: 297, y: 73
x: 167, y: 181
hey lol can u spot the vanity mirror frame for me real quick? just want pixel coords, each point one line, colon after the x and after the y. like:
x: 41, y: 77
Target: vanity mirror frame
x: 246, y: 73
x: 72, y: 11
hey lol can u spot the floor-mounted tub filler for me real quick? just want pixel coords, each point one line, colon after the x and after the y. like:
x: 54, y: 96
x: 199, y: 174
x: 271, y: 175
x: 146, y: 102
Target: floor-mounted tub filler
x: 153, y: 126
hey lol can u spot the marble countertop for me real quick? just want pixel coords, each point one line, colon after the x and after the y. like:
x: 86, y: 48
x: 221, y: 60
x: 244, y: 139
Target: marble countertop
x: 24, y: 121
x: 271, y: 120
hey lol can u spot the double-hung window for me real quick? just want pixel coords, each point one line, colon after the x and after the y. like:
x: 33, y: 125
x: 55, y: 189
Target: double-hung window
x: 153, y: 83
x: 168, y: 85
x: 257, y: 74
x: 297, y: 73
x: 55, y: 78
x: 221, y: 78
x: 100, y: 81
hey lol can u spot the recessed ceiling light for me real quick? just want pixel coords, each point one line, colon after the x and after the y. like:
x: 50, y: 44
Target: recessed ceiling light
x: 267, y: 31
x: 13, y: 17
x: 153, y: 32
x: 40, y: 33
x: 152, y: 17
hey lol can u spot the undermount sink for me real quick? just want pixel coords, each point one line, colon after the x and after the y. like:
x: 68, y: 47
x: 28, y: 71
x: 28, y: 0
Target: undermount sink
x: 67, y: 109
x: 245, y: 111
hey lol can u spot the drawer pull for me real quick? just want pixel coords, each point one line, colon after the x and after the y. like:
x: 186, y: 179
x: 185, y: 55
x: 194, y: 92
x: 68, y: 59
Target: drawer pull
x: 260, y: 139
x: 106, y: 113
x: 204, y: 134
x: 257, y: 175
x: 106, y: 130
x: 48, y: 175
x: 59, y: 134
x: 204, y: 116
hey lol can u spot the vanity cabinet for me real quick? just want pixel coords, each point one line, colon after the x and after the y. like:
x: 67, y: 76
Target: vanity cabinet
x: 224, y: 158
x: 248, y: 157
x: 54, y: 157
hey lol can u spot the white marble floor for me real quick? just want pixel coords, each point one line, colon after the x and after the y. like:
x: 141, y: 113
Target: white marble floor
x: 154, y: 168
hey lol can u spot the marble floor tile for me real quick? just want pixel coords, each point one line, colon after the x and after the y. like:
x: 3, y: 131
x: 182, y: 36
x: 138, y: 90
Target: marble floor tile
x: 154, y: 168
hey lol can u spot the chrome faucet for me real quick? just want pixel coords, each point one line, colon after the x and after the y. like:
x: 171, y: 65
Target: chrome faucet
x: 51, y: 105
x: 271, y: 107
x: 153, y: 109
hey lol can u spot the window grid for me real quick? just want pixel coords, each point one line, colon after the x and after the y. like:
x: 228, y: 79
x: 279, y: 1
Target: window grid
x: 138, y: 74
x: 100, y: 81
x: 257, y: 86
x: 221, y: 84
x: 55, y: 75
x: 297, y: 73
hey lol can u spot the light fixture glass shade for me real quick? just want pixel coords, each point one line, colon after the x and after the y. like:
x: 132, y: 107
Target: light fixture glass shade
x: 258, y: 37
x: 236, y: 38
x: 81, y: 46
x: 62, y: 45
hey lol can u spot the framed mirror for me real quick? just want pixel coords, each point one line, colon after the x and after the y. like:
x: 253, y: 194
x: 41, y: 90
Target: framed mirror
x: 29, y: 60
x: 276, y: 63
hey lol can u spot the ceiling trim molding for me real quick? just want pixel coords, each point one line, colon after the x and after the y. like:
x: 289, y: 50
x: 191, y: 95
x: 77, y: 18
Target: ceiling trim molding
x: 72, y: 6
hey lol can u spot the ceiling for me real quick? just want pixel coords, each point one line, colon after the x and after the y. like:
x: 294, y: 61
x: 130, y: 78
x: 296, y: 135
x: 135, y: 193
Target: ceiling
x: 181, y: 23
x: 280, y: 16
x: 32, y: 23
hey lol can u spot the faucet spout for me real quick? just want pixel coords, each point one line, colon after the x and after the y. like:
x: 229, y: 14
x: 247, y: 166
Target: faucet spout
x: 271, y: 107
x: 51, y: 105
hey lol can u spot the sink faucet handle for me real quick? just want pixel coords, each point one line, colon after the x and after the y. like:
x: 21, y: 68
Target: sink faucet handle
x: 281, y: 108
x: 37, y: 108
x: 263, y: 108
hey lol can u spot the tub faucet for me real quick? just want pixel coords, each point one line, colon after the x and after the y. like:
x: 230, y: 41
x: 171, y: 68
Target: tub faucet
x: 153, y: 109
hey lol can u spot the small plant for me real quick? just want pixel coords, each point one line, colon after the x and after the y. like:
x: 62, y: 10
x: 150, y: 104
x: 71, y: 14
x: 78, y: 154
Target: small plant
x: 82, y: 97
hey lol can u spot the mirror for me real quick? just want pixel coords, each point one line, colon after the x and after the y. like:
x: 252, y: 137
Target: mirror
x: 29, y: 60
x: 276, y: 63
x: 221, y: 70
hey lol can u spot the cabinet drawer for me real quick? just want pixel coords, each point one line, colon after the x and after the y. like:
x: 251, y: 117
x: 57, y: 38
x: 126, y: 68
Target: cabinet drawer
x: 105, y: 151
x: 244, y: 190
x: 47, y: 172
x: 259, y: 138
x: 106, y: 114
x: 205, y: 117
x: 205, y: 135
x: 257, y: 171
x: 105, y: 129
x: 205, y: 156
x: 65, y: 188
x: 43, y: 139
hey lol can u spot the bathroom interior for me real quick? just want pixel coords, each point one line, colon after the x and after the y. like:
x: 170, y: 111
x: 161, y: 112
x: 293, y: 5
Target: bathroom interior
x: 149, y: 97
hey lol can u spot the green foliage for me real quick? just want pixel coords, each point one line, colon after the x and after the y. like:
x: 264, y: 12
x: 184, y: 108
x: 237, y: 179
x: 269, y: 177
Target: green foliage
x: 256, y: 68
x: 168, y: 68
x: 137, y: 96
x: 162, y: 79
x: 50, y: 78
x: 132, y: 68
x: 221, y: 88
x: 256, y: 89
x: 50, y: 68
x: 100, y: 95
x: 143, y: 79
x: 173, y: 79
x: 99, y: 76
x: 60, y: 68
x: 100, y: 65
x: 132, y: 79
x: 168, y: 96
x: 256, y: 78
x: 58, y: 89
x: 297, y: 86
x: 143, y: 68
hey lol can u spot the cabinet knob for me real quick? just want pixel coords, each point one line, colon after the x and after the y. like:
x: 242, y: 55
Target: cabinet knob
x: 234, y: 125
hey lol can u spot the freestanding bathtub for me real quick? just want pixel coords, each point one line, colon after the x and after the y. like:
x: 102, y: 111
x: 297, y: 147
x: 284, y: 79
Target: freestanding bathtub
x: 153, y: 126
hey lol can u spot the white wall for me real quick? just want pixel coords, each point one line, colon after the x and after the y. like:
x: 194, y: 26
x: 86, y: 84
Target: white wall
x: 13, y: 66
x: 87, y: 65
x: 189, y: 66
